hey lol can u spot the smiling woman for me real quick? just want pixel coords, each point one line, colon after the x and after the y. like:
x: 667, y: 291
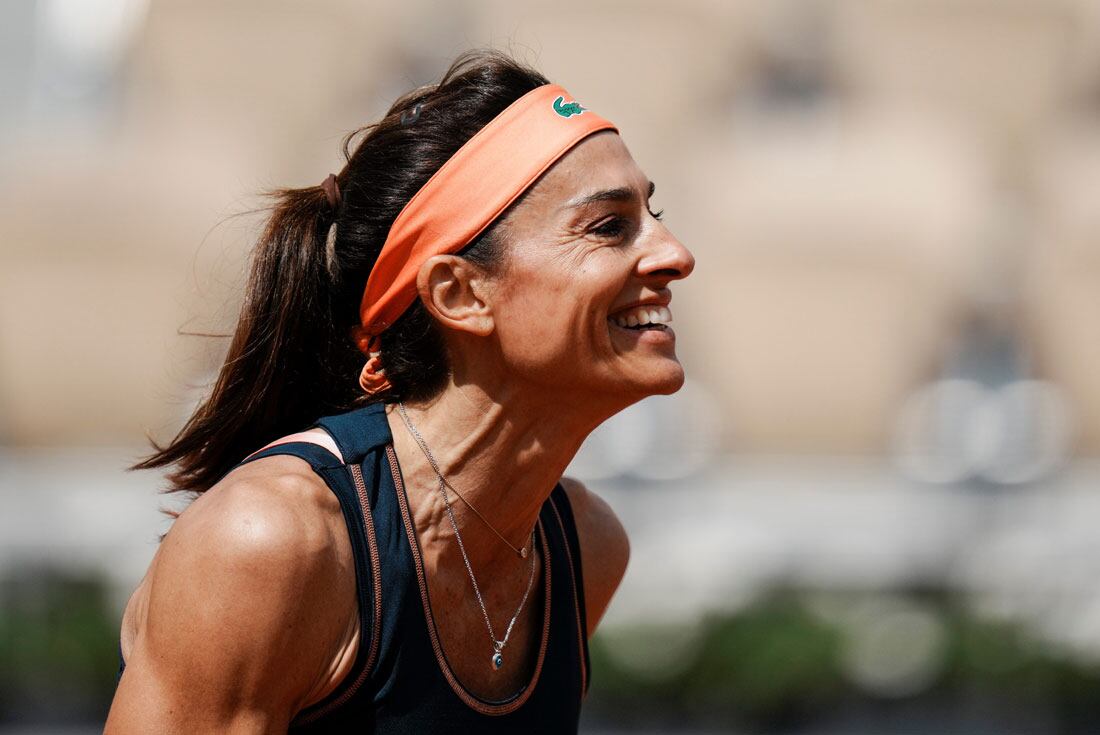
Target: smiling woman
x: 391, y: 546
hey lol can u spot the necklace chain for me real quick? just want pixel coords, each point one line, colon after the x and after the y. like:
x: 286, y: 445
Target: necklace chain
x: 498, y: 645
x: 521, y: 552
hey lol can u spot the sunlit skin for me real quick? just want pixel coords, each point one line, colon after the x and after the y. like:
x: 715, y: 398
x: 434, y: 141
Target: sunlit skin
x: 572, y: 261
x: 537, y: 364
x: 248, y: 611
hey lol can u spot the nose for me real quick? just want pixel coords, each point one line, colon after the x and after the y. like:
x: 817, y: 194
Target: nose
x: 666, y: 256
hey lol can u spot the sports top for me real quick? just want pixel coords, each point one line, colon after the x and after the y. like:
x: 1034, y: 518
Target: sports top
x: 401, y: 681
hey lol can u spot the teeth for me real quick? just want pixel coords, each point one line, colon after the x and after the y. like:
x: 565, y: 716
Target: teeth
x: 643, y: 315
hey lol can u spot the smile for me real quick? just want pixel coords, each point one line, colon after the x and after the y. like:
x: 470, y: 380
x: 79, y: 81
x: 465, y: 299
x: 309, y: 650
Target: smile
x: 643, y: 317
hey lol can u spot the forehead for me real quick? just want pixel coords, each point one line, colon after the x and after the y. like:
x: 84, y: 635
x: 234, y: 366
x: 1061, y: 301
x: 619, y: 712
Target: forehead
x: 600, y: 161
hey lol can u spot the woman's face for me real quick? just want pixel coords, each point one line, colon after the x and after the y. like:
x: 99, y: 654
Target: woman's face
x: 584, y: 245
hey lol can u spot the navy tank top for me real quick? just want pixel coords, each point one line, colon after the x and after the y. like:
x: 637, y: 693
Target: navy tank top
x: 401, y: 681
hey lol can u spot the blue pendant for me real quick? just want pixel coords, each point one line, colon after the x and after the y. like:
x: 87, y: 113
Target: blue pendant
x: 498, y: 660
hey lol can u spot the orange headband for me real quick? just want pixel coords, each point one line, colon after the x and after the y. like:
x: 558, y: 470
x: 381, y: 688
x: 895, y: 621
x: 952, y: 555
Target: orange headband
x: 470, y: 190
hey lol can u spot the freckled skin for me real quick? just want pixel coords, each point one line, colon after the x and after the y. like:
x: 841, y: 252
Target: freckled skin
x: 235, y: 632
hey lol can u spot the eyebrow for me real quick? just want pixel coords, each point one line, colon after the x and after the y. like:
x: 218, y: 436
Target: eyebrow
x: 618, y: 194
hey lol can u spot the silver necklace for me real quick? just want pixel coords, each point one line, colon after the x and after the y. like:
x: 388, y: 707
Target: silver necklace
x: 497, y: 659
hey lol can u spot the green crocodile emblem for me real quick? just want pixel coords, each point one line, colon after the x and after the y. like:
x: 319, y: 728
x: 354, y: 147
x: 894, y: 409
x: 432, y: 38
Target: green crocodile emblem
x: 567, y: 109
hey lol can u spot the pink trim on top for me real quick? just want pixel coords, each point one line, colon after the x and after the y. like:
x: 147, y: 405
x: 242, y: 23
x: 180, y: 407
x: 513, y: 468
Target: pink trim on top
x: 321, y: 438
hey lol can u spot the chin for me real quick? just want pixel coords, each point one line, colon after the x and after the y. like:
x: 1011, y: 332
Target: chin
x: 673, y: 383
x: 662, y: 382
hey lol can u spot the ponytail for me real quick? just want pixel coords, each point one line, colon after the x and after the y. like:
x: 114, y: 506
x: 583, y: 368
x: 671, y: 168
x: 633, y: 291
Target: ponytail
x: 293, y: 358
x: 289, y: 361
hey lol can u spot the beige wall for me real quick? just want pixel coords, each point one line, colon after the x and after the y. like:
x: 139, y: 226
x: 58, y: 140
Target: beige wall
x: 859, y: 181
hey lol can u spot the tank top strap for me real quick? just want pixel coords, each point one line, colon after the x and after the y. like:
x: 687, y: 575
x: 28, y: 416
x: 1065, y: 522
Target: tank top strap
x: 563, y: 514
x: 359, y: 431
x: 317, y: 456
x: 350, y: 476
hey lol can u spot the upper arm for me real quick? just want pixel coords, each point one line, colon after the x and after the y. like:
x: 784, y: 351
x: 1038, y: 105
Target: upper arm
x: 245, y: 601
x: 605, y: 548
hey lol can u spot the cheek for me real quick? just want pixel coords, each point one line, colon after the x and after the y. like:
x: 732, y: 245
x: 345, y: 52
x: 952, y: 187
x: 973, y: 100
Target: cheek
x: 547, y: 324
x: 532, y: 320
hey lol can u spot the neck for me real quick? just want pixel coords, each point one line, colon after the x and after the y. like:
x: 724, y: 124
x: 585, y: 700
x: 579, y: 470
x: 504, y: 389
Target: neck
x: 502, y: 452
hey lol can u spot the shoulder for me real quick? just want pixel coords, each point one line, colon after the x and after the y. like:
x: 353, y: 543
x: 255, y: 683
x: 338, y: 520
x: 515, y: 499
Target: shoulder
x: 271, y: 513
x: 268, y: 545
x: 247, y: 600
x: 268, y: 519
x: 605, y: 548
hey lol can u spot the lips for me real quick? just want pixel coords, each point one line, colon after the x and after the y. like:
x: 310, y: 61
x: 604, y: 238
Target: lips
x: 640, y: 316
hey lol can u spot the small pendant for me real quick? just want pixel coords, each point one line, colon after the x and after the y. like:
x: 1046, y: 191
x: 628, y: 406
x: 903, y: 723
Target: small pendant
x: 523, y: 553
x: 498, y: 660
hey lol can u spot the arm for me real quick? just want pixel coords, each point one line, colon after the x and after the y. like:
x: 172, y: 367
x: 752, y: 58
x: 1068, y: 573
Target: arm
x: 605, y: 548
x: 247, y: 606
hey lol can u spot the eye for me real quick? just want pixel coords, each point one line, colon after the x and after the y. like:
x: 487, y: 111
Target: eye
x: 658, y: 215
x: 613, y: 227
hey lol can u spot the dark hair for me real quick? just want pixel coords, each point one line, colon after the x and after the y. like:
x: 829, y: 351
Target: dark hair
x: 293, y: 358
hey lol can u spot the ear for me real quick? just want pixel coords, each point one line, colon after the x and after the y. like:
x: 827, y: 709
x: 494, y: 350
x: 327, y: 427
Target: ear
x: 457, y: 293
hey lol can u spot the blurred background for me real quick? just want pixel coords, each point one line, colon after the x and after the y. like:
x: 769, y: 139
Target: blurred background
x: 874, y: 506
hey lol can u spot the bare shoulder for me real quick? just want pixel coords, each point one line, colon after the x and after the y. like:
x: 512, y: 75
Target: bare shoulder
x: 269, y: 520
x: 244, y: 607
x: 273, y: 499
x: 605, y: 548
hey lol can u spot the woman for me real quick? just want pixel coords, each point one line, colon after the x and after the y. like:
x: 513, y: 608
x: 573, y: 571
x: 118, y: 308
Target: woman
x: 404, y: 555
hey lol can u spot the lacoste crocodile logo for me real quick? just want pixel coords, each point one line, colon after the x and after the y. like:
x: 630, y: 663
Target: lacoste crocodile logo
x: 567, y: 109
